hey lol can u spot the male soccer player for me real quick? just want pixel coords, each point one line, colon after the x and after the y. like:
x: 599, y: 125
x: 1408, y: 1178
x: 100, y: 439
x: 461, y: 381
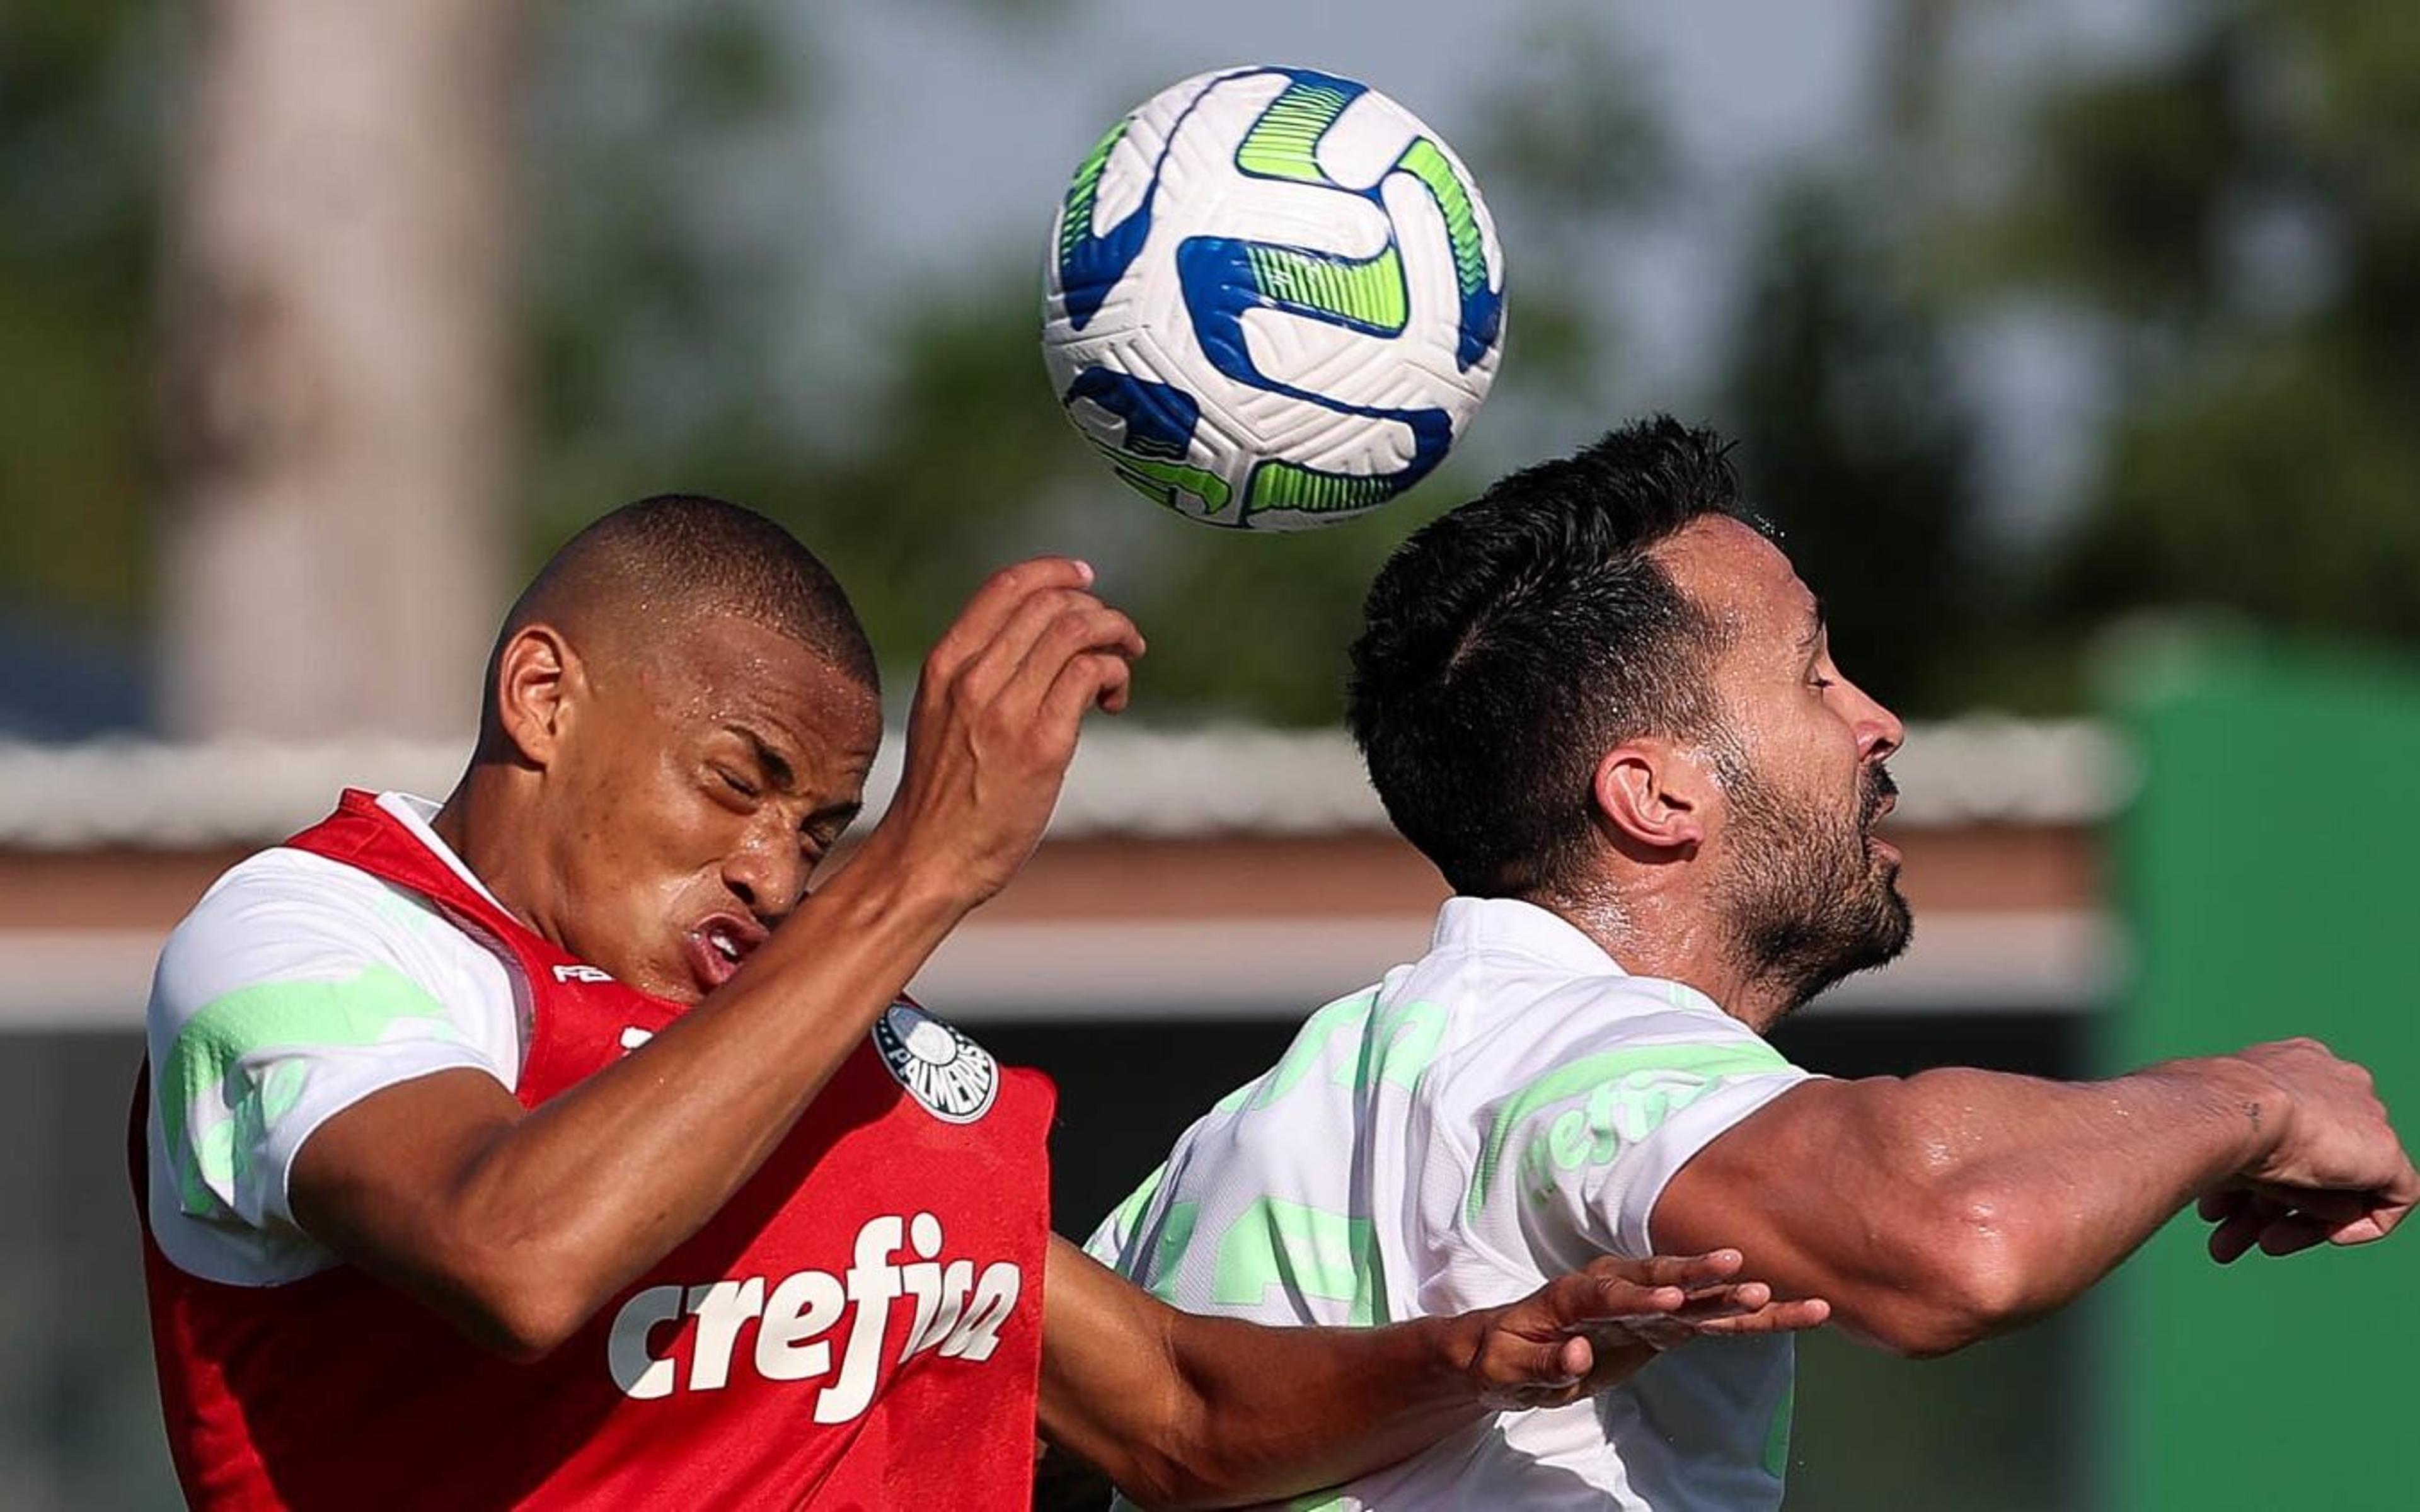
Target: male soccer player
x: 553, y: 1147
x: 1602, y: 702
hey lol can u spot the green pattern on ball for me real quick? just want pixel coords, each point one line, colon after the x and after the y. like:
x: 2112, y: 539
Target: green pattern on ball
x: 1425, y: 161
x: 1162, y: 482
x: 1284, y: 143
x: 1286, y: 485
x: 1085, y: 191
x: 1370, y: 292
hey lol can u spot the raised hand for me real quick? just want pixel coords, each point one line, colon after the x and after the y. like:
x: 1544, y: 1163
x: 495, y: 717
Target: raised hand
x: 996, y: 715
x: 1594, y: 1329
x: 2336, y: 1173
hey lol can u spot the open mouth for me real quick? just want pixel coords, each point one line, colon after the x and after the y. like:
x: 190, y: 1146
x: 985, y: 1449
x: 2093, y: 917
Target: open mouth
x: 717, y: 946
x: 1882, y: 796
x: 1878, y: 808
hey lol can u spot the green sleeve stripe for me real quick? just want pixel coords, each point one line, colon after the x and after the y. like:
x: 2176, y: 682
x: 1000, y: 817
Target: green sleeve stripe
x: 206, y: 1061
x: 1127, y: 1215
x: 1586, y: 1075
x: 1311, y: 1252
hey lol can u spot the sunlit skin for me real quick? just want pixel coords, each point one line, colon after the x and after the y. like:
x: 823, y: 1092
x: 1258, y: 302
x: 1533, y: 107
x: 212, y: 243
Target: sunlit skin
x: 658, y: 806
x: 688, y: 795
x: 1802, y: 724
x: 1670, y: 828
x: 1940, y: 1209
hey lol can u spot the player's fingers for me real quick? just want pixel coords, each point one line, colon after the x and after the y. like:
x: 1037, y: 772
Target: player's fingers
x: 2333, y: 1206
x: 1724, y: 1300
x: 2294, y: 1233
x: 2362, y: 1230
x: 1595, y: 1298
x: 1099, y: 680
x: 2382, y: 1211
x: 2376, y: 1223
x: 1582, y: 1297
x: 2217, y: 1207
x: 996, y: 664
x: 1774, y: 1318
x: 1676, y: 1269
x: 1576, y: 1357
x: 2233, y: 1239
x: 980, y: 621
x: 1113, y: 695
x: 1093, y: 627
x: 2403, y: 1194
x: 1527, y: 1364
x: 2235, y: 1236
x: 2399, y: 1200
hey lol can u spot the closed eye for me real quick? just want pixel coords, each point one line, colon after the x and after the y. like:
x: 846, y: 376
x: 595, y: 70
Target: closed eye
x: 737, y: 783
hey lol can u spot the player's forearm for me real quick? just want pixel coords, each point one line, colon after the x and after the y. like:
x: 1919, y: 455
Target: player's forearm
x: 599, y: 1183
x: 1957, y: 1204
x: 1185, y: 1411
x: 1270, y: 1412
x: 2070, y: 1179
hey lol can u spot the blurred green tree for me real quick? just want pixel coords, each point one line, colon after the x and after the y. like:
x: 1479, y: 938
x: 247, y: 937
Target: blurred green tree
x: 79, y: 181
x: 2240, y: 213
x: 1853, y: 441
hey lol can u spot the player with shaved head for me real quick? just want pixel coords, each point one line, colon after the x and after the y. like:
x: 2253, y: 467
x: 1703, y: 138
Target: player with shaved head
x: 556, y: 1145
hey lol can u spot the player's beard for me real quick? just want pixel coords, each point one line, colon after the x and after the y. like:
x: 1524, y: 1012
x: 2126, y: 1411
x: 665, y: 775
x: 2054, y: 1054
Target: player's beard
x: 1805, y: 899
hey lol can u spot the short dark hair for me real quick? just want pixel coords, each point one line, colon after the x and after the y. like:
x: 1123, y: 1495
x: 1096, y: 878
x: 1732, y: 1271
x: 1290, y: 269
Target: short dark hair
x: 1508, y: 644
x: 647, y: 564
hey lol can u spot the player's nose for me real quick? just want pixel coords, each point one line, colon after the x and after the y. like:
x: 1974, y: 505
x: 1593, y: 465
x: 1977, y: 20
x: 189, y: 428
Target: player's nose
x: 1879, y: 731
x: 767, y: 881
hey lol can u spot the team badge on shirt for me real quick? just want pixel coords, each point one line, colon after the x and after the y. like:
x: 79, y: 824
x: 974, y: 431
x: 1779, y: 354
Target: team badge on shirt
x: 955, y: 1078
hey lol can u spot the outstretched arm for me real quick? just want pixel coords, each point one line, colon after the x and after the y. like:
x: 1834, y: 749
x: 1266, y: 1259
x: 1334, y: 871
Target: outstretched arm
x: 1186, y: 1410
x: 1938, y: 1209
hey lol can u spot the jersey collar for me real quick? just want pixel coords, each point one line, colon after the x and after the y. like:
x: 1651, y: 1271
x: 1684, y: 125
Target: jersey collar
x: 1510, y: 924
x: 416, y: 815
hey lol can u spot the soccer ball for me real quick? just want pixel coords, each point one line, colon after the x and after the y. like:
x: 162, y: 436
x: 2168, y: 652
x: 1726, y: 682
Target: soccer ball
x: 1273, y: 299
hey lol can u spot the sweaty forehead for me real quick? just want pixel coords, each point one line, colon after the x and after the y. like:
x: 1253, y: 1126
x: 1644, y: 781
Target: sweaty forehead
x: 725, y: 669
x: 1739, y: 579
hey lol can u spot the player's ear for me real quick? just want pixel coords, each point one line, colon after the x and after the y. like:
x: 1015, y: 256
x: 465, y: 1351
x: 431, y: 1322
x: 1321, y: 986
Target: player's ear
x: 537, y: 679
x: 1652, y: 795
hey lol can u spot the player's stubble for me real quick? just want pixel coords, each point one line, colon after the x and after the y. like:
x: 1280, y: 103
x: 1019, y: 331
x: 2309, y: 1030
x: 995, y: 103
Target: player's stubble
x: 1806, y: 897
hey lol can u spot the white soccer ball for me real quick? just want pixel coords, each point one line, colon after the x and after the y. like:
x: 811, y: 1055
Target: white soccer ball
x: 1273, y: 299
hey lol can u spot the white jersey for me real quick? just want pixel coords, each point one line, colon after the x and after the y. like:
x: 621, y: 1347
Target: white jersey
x: 297, y: 987
x: 1500, y: 1112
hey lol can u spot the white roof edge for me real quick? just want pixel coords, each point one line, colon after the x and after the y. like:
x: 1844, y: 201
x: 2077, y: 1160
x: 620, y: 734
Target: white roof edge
x: 1142, y: 782
x: 1103, y: 970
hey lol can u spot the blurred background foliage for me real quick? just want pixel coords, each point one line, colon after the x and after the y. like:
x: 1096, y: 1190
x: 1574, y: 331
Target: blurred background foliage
x: 2226, y: 224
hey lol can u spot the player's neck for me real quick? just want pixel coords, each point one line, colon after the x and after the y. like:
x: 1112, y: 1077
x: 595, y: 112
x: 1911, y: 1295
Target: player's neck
x: 1656, y: 933
x: 476, y: 822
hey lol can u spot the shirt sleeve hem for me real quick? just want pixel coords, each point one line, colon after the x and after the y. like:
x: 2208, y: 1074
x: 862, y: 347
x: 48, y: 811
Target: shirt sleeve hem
x: 1676, y: 1143
x: 306, y: 1119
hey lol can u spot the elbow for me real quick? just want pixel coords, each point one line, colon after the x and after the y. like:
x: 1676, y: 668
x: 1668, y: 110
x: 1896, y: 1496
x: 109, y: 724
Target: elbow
x: 523, y: 1330
x: 1967, y: 1278
x: 1158, y: 1482
x: 517, y: 1306
x: 1181, y: 1471
x: 1154, y: 1493
x: 1171, y: 1477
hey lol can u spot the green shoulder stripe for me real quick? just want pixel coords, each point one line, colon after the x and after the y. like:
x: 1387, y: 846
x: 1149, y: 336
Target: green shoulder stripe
x: 349, y: 1011
x: 1586, y: 1075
